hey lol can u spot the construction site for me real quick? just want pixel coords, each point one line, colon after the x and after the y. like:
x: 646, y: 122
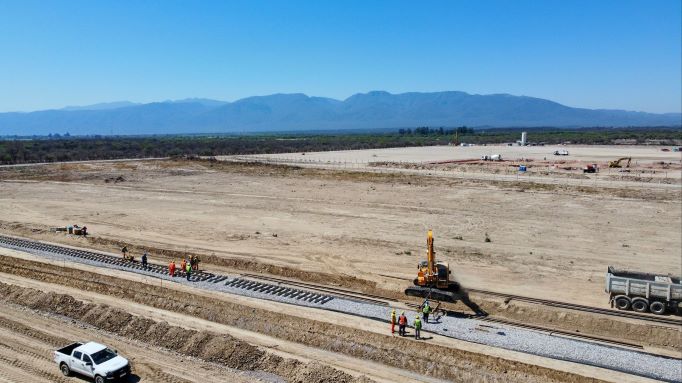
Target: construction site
x: 501, y: 263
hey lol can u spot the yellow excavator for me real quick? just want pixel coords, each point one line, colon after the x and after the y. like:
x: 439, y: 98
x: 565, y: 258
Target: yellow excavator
x: 433, y: 278
x: 616, y: 163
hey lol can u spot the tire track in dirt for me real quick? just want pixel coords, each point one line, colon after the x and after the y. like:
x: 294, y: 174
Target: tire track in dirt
x: 156, y: 375
x: 40, y: 344
x: 12, y: 374
x: 210, y: 347
x: 445, y: 363
x: 29, y: 362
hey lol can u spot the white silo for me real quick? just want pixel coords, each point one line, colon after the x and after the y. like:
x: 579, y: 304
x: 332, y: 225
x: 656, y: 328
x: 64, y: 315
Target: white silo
x: 524, y: 136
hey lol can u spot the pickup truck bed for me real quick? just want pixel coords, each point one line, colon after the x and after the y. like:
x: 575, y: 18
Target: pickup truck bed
x: 69, y: 349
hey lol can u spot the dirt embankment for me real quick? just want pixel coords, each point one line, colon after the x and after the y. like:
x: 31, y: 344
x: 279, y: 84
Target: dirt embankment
x: 585, y: 323
x: 645, y: 334
x: 444, y: 363
x: 216, y: 348
x: 42, y: 232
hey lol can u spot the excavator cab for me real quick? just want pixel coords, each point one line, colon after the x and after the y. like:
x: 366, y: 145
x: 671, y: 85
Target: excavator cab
x: 442, y: 275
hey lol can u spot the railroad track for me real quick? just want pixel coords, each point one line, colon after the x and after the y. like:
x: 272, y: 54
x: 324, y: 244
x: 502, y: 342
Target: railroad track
x: 343, y: 293
x: 547, y: 330
x: 25, y: 244
x: 202, y: 276
x: 312, y: 293
x: 572, y: 306
x: 197, y: 276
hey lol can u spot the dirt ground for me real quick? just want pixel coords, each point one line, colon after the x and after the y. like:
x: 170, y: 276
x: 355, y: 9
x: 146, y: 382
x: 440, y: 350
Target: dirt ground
x: 350, y: 228
x: 213, y: 326
x: 554, y: 243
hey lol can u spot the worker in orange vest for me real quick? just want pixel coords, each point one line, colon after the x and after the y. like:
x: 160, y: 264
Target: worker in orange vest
x: 171, y: 269
x: 402, y: 323
x: 183, y: 264
x: 393, y: 320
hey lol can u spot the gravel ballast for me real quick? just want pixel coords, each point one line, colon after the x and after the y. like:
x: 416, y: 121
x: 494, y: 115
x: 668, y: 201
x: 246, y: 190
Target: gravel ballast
x: 472, y: 330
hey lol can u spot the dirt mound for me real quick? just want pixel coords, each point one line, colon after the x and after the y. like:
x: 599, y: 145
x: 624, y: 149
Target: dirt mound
x: 656, y: 336
x: 446, y: 363
x: 211, y: 347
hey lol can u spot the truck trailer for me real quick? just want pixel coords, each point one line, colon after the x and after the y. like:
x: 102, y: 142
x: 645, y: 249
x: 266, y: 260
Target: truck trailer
x: 644, y: 292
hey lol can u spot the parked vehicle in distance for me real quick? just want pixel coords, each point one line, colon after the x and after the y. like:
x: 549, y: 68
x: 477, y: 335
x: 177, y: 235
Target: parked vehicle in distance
x: 644, y: 292
x: 93, y: 360
x: 591, y: 168
x: 562, y: 152
x: 493, y: 157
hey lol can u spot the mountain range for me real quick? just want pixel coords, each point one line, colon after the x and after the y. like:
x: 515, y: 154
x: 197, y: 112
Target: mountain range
x: 298, y: 112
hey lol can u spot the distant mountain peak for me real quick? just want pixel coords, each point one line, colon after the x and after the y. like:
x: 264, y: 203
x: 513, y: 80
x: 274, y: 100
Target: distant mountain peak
x: 297, y: 111
x: 102, y: 106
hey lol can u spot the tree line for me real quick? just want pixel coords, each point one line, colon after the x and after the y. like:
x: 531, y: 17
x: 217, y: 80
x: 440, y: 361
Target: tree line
x: 16, y: 150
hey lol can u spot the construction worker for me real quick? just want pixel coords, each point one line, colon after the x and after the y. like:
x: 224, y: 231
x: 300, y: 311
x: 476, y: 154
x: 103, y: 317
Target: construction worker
x: 144, y: 260
x: 196, y: 262
x: 85, y: 231
x: 171, y: 269
x: 393, y: 320
x: 188, y: 270
x: 402, y: 322
x: 417, y: 327
x: 124, y: 251
x: 426, y: 311
x: 183, y: 264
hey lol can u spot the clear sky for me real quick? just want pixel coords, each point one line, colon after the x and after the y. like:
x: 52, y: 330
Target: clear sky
x: 596, y: 54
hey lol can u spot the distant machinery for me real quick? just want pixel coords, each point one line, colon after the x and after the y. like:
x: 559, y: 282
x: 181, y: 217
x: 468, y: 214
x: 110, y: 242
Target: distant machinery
x: 616, y: 163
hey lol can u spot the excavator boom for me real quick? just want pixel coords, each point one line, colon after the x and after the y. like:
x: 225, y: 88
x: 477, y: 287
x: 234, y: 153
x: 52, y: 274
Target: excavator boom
x: 430, y: 254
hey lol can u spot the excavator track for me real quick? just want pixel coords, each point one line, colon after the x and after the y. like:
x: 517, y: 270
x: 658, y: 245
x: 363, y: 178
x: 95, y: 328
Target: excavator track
x: 431, y: 293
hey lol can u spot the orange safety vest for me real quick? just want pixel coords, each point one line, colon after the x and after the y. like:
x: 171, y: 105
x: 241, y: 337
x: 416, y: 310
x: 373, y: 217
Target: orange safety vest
x: 172, y: 266
x: 402, y: 319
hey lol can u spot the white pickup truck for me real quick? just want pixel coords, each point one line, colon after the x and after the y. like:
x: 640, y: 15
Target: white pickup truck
x: 93, y: 360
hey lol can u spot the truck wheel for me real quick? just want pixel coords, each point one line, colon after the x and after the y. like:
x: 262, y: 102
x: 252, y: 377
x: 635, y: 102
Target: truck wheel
x: 657, y: 307
x: 622, y: 302
x: 64, y: 368
x: 99, y: 379
x: 640, y: 305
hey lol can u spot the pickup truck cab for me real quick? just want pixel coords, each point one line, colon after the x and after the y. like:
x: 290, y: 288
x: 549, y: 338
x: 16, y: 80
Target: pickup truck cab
x: 93, y: 360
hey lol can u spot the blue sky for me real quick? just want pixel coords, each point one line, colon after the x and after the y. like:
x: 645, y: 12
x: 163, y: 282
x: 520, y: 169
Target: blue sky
x: 594, y: 54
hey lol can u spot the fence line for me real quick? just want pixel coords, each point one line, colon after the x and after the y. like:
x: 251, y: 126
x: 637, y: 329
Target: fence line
x: 509, y: 174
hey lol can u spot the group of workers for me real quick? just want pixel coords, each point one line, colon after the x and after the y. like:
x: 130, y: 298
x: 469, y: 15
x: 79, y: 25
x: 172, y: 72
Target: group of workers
x: 187, y: 267
x: 402, y: 321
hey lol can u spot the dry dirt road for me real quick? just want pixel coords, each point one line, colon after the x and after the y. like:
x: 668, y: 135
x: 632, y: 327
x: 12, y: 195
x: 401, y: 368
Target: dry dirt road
x: 349, y: 228
x: 45, y: 305
x: 549, y: 242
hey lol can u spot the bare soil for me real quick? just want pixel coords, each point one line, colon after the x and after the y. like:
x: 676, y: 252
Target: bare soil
x: 210, y: 347
x: 365, y: 231
x: 445, y: 363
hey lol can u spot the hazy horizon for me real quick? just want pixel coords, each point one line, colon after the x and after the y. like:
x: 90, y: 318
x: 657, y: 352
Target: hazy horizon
x: 599, y: 55
x: 115, y: 103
